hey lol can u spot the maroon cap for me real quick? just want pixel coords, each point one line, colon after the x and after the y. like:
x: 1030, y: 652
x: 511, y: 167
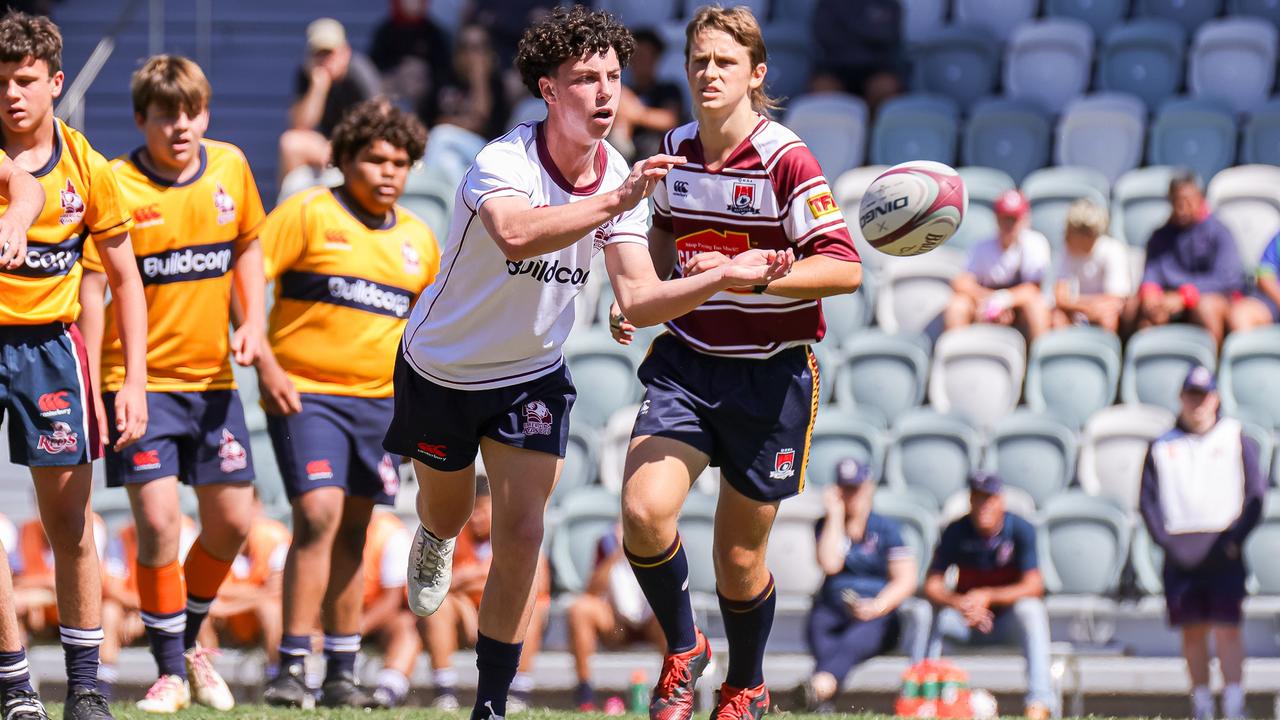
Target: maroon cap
x: 1011, y: 203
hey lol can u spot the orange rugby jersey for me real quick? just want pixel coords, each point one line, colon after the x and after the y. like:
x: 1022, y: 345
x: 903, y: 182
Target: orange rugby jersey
x: 82, y: 201
x: 343, y: 291
x: 186, y: 237
x: 386, y: 553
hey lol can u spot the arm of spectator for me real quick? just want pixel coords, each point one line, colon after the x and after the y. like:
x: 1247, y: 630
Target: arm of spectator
x: 1227, y: 276
x: 937, y: 592
x: 308, y: 107
x: 831, y: 533
x: 1062, y: 298
x: 1025, y: 293
x: 470, y: 577
x: 1030, y: 586
x: 966, y: 284
x: 656, y: 117
x: 389, y: 601
x: 1255, y: 490
x: 903, y: 572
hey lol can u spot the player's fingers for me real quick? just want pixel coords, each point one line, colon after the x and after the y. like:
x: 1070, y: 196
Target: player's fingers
x: 664, y: 160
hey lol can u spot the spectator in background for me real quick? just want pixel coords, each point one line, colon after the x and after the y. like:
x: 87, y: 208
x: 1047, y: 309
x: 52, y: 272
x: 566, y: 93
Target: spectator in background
x: 858, y: 49
x: 386, y: 618
x: 1093, y: 279
x: 471, y: 95
x: 1201, y: 496
x: 506, y: 21
x: 410, y: 51
x: 649, y: 106
x: 1001, y: 282
x: 1193, y: 267
x: 998, y: 596
x: 870, y: 571
x: 333, y: 79
x: 1262, y: 306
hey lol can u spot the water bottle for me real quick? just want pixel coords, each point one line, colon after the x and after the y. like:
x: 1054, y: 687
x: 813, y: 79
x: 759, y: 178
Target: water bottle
x: 638, y: 695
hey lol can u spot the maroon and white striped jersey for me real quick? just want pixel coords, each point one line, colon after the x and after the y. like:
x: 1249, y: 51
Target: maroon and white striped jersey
x: 770, y: 194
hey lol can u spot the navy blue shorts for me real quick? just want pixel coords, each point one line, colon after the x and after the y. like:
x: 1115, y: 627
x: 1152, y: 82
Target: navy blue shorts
x: 199, y: 437
x: 753, y: 418
x: 441, y: 427
x: 45, y: 388
x: 839, y: 642
x: 1212, y: 596
x: 336, y: 441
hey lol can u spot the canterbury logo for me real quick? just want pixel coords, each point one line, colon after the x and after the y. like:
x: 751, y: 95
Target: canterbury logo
x: 54, y: 404
x: 148, y: 215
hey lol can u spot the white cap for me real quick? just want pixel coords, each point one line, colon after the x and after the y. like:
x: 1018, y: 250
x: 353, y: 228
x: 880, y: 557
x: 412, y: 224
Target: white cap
x: 325, y: 34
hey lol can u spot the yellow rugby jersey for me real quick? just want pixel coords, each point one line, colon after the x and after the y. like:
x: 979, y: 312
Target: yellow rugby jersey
x: 186, y: 237
x: 82, y: 201
x: 343, y: 291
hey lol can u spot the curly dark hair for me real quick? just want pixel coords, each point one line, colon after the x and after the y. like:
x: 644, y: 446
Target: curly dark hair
x: 569, y: 33
x: 25, y: 36
x: 377, y: 120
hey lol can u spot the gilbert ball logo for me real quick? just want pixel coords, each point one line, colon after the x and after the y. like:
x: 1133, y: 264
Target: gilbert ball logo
x: 537, y: 418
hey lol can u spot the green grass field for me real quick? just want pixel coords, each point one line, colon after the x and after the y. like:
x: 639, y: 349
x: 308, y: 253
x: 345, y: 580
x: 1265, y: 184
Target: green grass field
x: 126, y: 711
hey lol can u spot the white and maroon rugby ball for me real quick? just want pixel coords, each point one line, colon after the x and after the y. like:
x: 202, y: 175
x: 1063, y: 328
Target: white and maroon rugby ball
x: 913, y: 208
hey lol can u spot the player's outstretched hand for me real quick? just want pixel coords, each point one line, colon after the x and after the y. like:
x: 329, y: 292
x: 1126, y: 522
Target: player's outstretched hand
x: 645, y: 176
x: 622, y: 331
x: 759, y: 267
x: 131, y: 413
x: 705, y: 261
x: 13, y: 243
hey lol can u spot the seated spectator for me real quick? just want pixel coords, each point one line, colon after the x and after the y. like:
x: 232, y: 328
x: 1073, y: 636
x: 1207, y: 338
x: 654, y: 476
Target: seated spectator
x: 1193, y: 267
x: 332, y: 80
x: 1001, y: 282
x: 998, y: 597
x: 456, y: 623
x: 649, y: 107
x: 471, y: 94
x: 612, y: 610
x: 386, y: 618
x: 1202, y: 493
x: 1093, y: 279
x: 858, y: 49
x: 410, y: 51
x: 870, y: 571
x: 1262, y: 306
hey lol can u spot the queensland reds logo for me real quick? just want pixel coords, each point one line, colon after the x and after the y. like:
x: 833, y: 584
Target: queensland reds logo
x: 72, y: 205
x: 744, y: 199
x: 232, y: 453
x: 537, y: 418
x: 59, y: 441
x: 387, y: 472
x: 225, y: 206
x: 784, y: 464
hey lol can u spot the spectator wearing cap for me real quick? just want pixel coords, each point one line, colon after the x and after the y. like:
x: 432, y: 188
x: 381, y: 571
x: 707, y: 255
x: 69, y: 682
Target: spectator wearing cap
x: 1201, y: 496
x: 870, y: 573
x: 998, y: 595
x: 1193, y: 269
x: 1001, y: 281
x: 1262, y: 305
x: 1092, y: 281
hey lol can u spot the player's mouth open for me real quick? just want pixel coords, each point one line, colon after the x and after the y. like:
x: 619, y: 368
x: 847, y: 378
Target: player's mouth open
x: 603, y: 114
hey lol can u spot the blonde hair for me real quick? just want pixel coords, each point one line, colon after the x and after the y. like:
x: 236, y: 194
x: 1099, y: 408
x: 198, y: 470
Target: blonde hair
x: 1085, y: 216
x: 173, y: 83
x: 741, y: 25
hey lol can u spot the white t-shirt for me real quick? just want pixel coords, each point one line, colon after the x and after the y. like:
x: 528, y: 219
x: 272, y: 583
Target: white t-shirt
x: 392, y: 568
x: 488, y: 322
x: 1104, y: 271
x: 1027, y: 260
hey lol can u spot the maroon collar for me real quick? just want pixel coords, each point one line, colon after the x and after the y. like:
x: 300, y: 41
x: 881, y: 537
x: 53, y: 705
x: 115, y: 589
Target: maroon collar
x: 544, y: 156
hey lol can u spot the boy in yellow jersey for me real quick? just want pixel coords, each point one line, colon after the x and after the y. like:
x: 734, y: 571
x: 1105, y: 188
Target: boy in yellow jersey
x: 44, y: 381
x: 196, y: 214
x: 347, y: 264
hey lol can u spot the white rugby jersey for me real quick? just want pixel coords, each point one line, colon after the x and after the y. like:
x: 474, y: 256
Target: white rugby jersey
x: 770, y: 194
x: 488, y: 322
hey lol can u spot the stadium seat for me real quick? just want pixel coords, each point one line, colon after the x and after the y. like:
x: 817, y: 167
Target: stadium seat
x: 912, y: 292
x: 585, y: 516
x: 448, y: 156
x: 1249, y: 378
x: 1144, y: 58
x: 834, y: 126
x: 528, y: 109
x: 605, y: 375
x: 884, y: 372
x: 983, y: 185
x: 1032, y: 451
x: 849, y: 188
x: 838, y: 435
x: 304, y: 177
x: 1157, y: 359
x: 1010, y: 135
x: 997, y: 17
x: 1269, y: 9
x: 1246, y: 198
x: 1263, y: 546
x: 581, y: 463
x: 1113, y: 447
x: 1233, y: 60
x: 827, y: 356
x: 919, y: 523
x: 1140, y: 204
x: 1266, y: 443
x: 1147, y: 559
x: 1051, y: 191
x: 1260, y: 141
x: 1195, y: 133
x: 977, y: 373
x: 921, y: 18
x: 1099, y: 16
x: 790, y: 63
x: 792, y: 555
x: 848, y: 314
x: 932, y: 452
x: 1073, y: 373
x: 1103, y: 131
x: 430, y: 195
x: 1049, y: 62
x: 915, y: 127
x: 1190, y: 14
x: 960, y: 62
x: 643, y: 13
x: 697, y: 534
x: 1084, y: 543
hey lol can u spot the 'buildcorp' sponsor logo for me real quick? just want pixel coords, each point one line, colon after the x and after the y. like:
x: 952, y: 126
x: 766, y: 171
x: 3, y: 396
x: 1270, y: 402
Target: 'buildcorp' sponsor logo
x: 548, y: 272
x: 362, y: 292
x: 178, y: 263
x: 50, y: 261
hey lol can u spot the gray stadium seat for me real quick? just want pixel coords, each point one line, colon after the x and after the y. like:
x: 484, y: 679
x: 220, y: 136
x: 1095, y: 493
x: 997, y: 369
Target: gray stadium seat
x: 977, y: 372
x: 959, y: 62
x: 1051, y: 191
x: 605, y: 375
x: 1261, y: 138
x: 1246, y: 198
x: 1143, y: 57
x: 1148, y: 561
x: 1196, y: 133
x: 848, y: 189
x: 581, y: 463
x: 1266, y: 443
x: 827, y: 355
x: 883, y: 372
x: 1157, y: 359
x: 448, y: 156
x: 915, y: 127
x: 1268, y: 9
x: 643, y: 13
x: 838, y: 435
x: 1084, y: 543
x: 984, y: 185
x: 848, y: 314
x: 1249, y: 378
x: 697, y: 533
x: 1010, y: 135
x: 1103, y: 131
x: 921, y: 18
x: 1033, y: 451
x: 586, y: 515
x: 1113, y: 446
x: 1262, y: 548
x: 1233, y: 60
x: 932, y: 452
x: 919, y: 523
x: 1073, y: 373
x: 1049, y: 62
x: 1190, y: 14
x: 834, y: 126
x: 998, y: 17
x: 1099, y: 16
x: 430, y: 195
x: 912, y: 292
x: 1140, y: 204
x: 792, y: 556
x: 530, y: 108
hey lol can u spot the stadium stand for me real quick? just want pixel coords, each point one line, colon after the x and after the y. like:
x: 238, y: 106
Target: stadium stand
x: 883, y: 372
x: 1143, y: 57
x: 984, y: 185
x: 915, y: 127
x: 931, y: 452
x: 1158, y: 358
x: 961, y: 62
x: 1049, y: 62
x: 1103, y: 131
x: 1073, y: 373
x: 1009, y: 135
x: 1033, y: 452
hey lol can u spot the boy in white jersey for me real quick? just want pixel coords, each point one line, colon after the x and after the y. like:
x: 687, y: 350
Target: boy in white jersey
x: 481, y: 367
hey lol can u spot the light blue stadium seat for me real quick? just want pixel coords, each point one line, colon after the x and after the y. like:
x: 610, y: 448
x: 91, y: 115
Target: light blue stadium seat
x: 1246, y: 198
x: 1143, y: 57
x: 434, y: 210
x: 1263, y: 546
x: 848, y: 314
x: 834, y: 126
x: 1051, y: 191
x: 884, y: 372
x: 697, y: 534
x: 585, y: 516
x: 1033, y: 451
x: 917, y: 522
x: 911, y: 293
x: 1196, y: 133
x: 450, y: 151
x: 1190, y: 14
x: 977, y: 373
x: 1103, y: 131
x: 1156, y: 362
x: 915, y: 127
x: 1049, y: 62
x: 1266, y: 441
x: 1113, y: 446
x: 998, y: 17
x: 983, y: 185
x: 838, y: 435
x: 921, y: 18
x: 849, y: 189
x: 581, y: 462
x: 1084, y: 542
x: 528, y: 109
x: 1233, y: 60
x: 1269, y: 9
x: 605, y: 375
x: 960, y: 62
x: 1073, y: 373
x: 1140, y: 203
x: 1250, y: 375
x: 1099, y: 16
x: 791, y: 556
x: 1261, y: 137
x: 932, y: 452
x: 827, y: 356
x: 1147, y: 559
x: 1010, y: 135
x: 643, y: 13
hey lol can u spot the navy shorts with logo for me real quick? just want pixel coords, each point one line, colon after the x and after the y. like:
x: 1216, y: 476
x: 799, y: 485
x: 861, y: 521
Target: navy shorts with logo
x: 45, y: 389
x: 752, y: 417
x: 199, y: 437
x: 441, y: 427
x: 336, y: 441
x: 1204, y: 596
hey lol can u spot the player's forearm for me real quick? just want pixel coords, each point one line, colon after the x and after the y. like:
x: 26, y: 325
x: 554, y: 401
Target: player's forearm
x: 818, y: 276
x: 26, y: 197
x: 647, y: 303
x: 130, y: 307
x: 251, y: 287
x: 93, y: 288
x: 522, y: 234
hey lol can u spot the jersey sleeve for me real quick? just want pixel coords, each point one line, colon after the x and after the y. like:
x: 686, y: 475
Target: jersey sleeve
x: 500, y: 170
x: 895, y: 547
x: 251, y: 211
x: 810, y: 215
x: 631, y: 226
x: 105, y: 212
x: 395, y: 558
x: 283, y: 237
x: 944, y: 554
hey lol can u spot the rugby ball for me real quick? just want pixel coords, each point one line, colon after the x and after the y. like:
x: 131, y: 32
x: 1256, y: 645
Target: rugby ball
x: 913, y: 208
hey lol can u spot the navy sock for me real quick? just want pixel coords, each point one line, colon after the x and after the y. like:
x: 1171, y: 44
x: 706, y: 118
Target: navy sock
x: 584, y: 694
x: 164, y: 633
x: 197, y: 611
x: 665, y: 581
x: 294, y: 650
x: 340, y: 655
x: 497, y: 662
x: 15, y: 673
x: 746, y: 625
x: 80, y: 647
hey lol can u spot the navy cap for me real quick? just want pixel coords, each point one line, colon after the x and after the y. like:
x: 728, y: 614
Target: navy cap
x: 985, y: 482
x: 851, y: 473
x: 1199, y: 379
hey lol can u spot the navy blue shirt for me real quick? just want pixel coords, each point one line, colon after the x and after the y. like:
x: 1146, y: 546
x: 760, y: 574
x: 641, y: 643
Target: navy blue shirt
x: 866, y: 562
x: 986, y: 562
x: 1203, y: 255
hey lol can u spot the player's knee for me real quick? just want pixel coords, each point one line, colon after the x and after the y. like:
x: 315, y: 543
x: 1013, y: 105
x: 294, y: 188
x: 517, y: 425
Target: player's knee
x: 315, y: 521
x: 68, y: 531
x: 736, y: 561
x: 644, y: 523
x: 523, y: 537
